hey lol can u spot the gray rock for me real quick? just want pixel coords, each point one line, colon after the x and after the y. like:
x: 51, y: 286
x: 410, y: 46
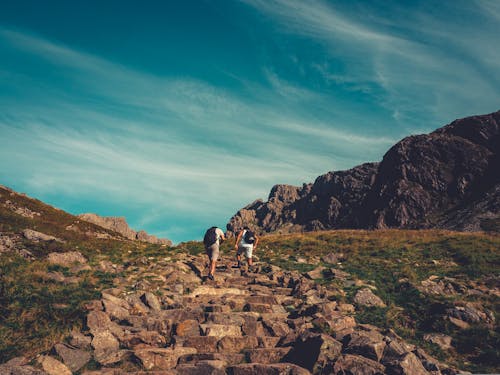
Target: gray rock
x: 351, y: 364
x: 152, y: 301
x: 35, y: 236
x: 75, y: 359
x: 441, y: 340
x: 53, y: 367
x: 365, y: 297
x: 66, y: 259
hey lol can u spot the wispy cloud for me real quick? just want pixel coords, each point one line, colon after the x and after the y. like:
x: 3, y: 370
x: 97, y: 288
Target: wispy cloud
x: 179, y: 148
x: 426, y: 66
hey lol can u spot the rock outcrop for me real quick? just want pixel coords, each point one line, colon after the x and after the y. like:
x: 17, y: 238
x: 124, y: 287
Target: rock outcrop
x: 119, y: 225
x: 446, y: 179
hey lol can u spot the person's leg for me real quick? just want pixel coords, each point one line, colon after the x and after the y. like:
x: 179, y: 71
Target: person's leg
x: 248, y: 254
x: 212, y: 267
x: 213, y: 259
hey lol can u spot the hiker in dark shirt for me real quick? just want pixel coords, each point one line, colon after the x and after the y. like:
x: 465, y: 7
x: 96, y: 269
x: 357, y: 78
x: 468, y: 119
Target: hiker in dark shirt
x: 212, y: 240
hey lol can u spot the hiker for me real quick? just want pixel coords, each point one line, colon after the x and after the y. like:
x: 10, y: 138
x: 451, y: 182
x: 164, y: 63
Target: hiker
x: 212, y: 240
x: 246, y: 243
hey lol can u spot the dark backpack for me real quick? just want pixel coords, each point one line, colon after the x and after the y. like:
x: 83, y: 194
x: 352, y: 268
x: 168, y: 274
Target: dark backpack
x: 249, y: 236
x: 210, y: 237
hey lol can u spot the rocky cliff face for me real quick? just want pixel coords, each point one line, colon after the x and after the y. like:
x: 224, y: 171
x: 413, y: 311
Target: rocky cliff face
x: 449, y: 178
x: 119, y: 225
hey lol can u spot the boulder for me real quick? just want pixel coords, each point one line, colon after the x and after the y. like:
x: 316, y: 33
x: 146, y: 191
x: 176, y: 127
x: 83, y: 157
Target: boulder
x: 98, y: 321
x: 441, y: 340
x: 365, y: 297
x: 75, y: 359
x: 352, y: 364
x: 314, y: 352
x: 235, y: 344
x: 115, y: 311
x: 35, y: 236
x: 270, y: 369
x: 409, y: 364
x: 53, y: 367
x: 105, y: 346
x: 161, y: 358
x: 220, y: 330
x: 266, y: 355
x: 188, y: 327
x: 151, y: 300
x: 66, y: 259
x: 369, y: 344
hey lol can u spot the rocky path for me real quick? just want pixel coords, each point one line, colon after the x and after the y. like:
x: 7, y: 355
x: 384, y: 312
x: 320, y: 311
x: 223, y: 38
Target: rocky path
x: 167, y: 319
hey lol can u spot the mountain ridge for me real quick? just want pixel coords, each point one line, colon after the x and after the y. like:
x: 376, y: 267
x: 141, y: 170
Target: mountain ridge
x: 445, y: 179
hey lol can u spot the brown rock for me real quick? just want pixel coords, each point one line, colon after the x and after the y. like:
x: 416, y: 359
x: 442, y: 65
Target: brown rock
x: 268, y: 342
x: 408, y: 365
x: 98, y: 321
x: 276, y: 328
x: 188, y: 327
x: 365, y: 297
x: 203, y: 367
x: 105, y: 346
x: 352, y: 364
x: 66, y: 259
x: 369, y: 344
x: 330, y: 258
x: 151, y: 338
x: 151, y: 300
x: 35, y: 236
x: 115, y: 311
x: 220, y: 330
x: 316, y: 273
x: 228, y: 358
x: 161, y: 358
x: 78, y: 340
x: 203, y: 344
x: 443, y: 341
x: 75, y: 359
x: 53, y: 367
x: 270, y: 369
x: 314, y: 352
x: 235, y: 344
x: 266, y: 355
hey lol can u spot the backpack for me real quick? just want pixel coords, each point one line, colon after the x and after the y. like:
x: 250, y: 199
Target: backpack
x: 249, y: 237
x: 210, y: 237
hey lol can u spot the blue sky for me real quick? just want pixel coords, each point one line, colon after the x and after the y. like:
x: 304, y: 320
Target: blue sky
x: 175, y: 114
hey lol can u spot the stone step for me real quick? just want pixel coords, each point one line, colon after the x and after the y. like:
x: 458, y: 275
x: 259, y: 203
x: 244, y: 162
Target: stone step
x: 202, y: 344
x: 220, y: 330
x: 267, y: 369
x: 235, y: 344
x: 203, y: 367
x: 229, y: 358
x: 266, y: 355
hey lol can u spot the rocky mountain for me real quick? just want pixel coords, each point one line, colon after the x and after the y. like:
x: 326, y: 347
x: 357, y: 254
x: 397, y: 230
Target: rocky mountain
x: 446, y: 179
x: 119, y: 225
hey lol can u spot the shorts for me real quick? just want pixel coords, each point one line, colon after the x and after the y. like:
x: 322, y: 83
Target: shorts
x: 213, y: 251
x: 247, y: 250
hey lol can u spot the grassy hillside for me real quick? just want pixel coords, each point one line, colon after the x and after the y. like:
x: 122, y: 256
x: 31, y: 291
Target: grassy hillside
x: 41, y: 302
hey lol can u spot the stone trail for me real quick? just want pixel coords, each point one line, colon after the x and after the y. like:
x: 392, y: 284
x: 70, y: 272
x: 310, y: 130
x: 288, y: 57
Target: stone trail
x: 167, y: 319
